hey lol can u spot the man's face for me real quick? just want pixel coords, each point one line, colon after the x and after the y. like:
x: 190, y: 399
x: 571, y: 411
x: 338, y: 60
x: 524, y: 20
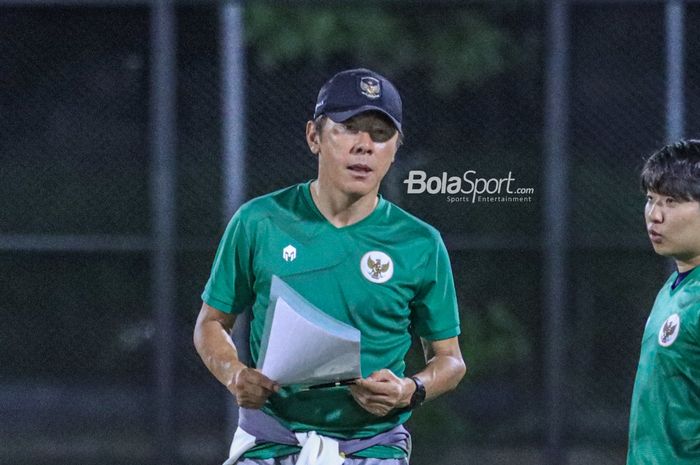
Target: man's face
x: 355, y: 155
x: 673, y: 226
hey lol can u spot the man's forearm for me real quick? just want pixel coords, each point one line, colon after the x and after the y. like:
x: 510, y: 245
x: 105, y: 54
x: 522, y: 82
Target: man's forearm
x: 215, y: 347
x: 444, y: 368
x: 441, y: 375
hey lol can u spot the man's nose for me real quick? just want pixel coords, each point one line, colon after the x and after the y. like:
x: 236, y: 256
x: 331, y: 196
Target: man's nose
x: 654, y: 213
x: 363, y: 143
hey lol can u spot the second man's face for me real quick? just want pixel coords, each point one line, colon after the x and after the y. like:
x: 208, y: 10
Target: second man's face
x: 673, y: 226
x: 355, y: 155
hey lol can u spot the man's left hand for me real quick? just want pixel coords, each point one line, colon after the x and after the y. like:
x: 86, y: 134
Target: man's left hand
x: 382, y: 391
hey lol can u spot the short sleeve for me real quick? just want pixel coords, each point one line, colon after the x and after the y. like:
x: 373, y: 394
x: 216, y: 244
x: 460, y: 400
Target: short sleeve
x: 230, y: 285
x: 435, y: 311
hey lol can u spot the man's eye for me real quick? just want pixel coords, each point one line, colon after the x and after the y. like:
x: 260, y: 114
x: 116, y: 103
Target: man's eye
x: 382, y: 135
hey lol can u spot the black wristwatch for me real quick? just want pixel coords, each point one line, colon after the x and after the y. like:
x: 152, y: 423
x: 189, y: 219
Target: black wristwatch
x: 418, y: 396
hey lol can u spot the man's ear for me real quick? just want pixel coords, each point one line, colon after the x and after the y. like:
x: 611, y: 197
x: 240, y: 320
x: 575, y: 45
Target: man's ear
x: 312, y: 138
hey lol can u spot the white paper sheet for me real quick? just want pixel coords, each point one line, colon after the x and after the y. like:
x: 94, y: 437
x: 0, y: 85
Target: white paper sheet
x: 302, y: 345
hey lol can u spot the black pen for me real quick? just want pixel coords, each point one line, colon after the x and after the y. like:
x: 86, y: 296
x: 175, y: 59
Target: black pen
x: 343, y: 382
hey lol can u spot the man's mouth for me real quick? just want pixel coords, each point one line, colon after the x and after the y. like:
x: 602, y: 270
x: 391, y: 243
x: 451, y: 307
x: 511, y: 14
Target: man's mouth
x: 360, y: 168
x: 654, y: 236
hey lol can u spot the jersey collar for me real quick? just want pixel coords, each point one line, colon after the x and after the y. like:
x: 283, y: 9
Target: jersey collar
x: 369, y: 219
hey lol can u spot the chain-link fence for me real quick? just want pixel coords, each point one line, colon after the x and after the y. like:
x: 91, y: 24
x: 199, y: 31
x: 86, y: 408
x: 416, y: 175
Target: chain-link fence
x: 78, y: 378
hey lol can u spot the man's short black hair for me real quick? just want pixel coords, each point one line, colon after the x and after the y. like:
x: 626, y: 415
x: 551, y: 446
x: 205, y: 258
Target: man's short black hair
x: 674, y: 171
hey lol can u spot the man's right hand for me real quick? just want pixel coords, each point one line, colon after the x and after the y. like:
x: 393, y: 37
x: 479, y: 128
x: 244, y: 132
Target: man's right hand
x: 213, y: 343
x: 252, y: 388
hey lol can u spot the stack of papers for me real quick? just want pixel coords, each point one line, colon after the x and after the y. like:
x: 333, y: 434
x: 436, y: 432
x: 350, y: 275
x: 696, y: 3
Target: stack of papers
x: 303, y: 345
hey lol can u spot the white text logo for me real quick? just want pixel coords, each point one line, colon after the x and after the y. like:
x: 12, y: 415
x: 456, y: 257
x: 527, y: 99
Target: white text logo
x: 468, y: 187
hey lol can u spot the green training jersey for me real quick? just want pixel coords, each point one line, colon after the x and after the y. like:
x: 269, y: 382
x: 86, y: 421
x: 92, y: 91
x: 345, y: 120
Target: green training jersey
x: 385, y: 275
x: 665, y: 413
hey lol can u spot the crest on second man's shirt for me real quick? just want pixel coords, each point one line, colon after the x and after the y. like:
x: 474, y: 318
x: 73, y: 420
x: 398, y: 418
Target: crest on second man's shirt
x: 377, y: 266
x: 669, y: 330
x: 370, y: 87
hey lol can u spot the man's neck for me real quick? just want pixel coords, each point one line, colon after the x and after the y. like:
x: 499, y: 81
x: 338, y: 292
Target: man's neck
x: 687, y: 264
x: 340, y: 209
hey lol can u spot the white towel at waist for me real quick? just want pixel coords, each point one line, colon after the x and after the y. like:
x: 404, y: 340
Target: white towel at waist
x: 315, y: 449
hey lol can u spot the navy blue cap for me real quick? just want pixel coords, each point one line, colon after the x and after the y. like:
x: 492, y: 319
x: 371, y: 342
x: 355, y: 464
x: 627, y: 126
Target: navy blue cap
x: 355, y: 91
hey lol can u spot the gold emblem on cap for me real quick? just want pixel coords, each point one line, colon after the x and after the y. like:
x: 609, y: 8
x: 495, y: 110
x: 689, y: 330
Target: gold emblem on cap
x: 370, y: 87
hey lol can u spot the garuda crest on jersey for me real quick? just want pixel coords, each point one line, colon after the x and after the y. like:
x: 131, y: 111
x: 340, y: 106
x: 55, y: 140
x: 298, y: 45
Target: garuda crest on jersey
x: 669, y: 330
x: 377, y: 266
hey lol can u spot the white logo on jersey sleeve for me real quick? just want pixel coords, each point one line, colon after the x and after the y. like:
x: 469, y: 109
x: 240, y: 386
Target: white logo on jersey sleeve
x: 669, y: 330
x: 377, y: 266
x: 289, y: 253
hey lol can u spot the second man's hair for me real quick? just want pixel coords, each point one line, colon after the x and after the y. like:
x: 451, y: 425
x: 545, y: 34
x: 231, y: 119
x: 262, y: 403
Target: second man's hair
x: 674, y: 170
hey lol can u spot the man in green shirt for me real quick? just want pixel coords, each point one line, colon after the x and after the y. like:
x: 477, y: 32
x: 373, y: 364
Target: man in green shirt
x: 665, y: 413
x: 358, y: 258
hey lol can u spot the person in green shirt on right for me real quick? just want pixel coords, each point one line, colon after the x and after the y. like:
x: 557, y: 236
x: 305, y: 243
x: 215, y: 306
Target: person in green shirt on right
x: 665, y: 411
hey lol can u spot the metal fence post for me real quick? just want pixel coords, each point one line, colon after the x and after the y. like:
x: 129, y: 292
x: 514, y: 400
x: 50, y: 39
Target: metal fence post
x: 554, y: 243
x: 163, y: 133
x: 233, y: 126
x: 675, y: 69
x: 233, y: 105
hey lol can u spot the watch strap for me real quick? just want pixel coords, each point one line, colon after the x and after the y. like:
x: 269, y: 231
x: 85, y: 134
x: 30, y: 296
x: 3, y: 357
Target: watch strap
x: 418, y: 396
